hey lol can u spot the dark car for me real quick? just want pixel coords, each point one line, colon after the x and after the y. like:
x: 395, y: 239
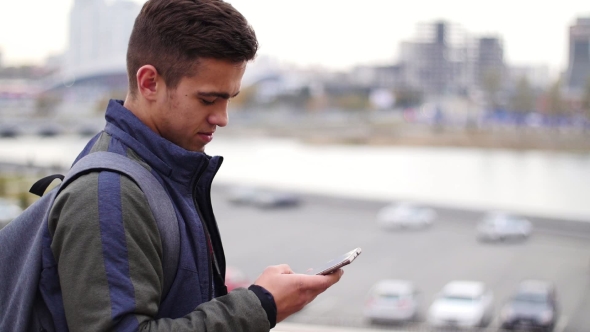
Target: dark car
x: 50, y: 130
x: 533, y: 307
x: 9, y: 131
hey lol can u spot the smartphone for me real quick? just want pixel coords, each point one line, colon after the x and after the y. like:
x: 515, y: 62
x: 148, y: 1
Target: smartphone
x: 336, y: 263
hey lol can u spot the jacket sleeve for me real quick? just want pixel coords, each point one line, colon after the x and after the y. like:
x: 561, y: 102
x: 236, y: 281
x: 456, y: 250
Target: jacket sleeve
x: 109, y: 255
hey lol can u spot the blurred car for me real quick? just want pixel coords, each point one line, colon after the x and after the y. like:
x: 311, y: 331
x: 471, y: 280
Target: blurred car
x: 50, y: 129
x: 88, y: 130
x: 270, y: 199
x: 235, y: 278
x: 242, y: 195
x: 410, y: 215
x: 392, y: 301
x: 262, y: 198
x: 533, y: 306
x: 9, y: 131
x: 462, y: 304
x: 499, y: 226
x: 8, y: 211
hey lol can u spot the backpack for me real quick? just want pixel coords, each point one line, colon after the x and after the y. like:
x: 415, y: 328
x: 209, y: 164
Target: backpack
x: 21, y: 308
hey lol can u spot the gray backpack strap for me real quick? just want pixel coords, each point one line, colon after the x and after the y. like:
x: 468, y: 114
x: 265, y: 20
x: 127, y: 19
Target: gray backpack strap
x: 158, y: 199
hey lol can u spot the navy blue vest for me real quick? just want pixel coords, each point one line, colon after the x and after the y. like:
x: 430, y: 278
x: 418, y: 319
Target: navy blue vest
x: 187, y: 177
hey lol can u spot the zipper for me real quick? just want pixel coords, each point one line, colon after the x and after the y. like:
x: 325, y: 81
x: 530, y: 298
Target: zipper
x: 209, y: 254
x: 218, y: 251
x: 205, y: 229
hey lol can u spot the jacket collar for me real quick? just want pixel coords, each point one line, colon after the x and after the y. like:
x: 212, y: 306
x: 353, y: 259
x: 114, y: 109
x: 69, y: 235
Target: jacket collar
x: 164, y: 156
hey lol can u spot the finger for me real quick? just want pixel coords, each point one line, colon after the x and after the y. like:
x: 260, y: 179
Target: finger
x: 318, y: 283
x: 283, y: 269
x: 335, y: 276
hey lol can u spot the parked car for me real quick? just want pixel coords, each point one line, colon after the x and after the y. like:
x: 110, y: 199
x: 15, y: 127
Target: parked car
x: 500, y: 226
x: 392, y: 301
x: 50, y: 129
x: 462, y: 304
x: 271, y: 199
x: 9, y: 131
x: 88, y: 130
x: 241, y: 195
x: 405, y: 214
x: 262, y: 198
x: 533, y: 306
x: 8, y: 211
x: 235, y: 278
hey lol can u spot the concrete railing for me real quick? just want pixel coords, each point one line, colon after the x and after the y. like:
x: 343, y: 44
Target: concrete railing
x: 292, y: 327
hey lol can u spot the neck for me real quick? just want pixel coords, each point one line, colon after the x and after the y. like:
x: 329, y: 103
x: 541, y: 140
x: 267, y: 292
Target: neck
x: 139, y: 108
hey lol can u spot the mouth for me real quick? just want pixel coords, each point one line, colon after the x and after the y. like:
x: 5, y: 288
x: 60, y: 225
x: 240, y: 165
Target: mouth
x: 206, y: 136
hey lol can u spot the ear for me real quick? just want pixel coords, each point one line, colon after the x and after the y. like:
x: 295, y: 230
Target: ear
x: 149, y: 82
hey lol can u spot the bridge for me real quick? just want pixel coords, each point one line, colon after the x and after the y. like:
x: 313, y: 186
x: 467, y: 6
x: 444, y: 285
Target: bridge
x: 113, y: 76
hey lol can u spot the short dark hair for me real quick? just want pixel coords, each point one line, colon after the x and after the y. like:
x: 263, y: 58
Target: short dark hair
x: 172, y: 34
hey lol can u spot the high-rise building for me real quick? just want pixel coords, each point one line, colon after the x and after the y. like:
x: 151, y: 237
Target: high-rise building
x: 578, y: 71
x: 489, y: 60
x: 444, y: 60
x: 98, y: 36
x: 434, y: 61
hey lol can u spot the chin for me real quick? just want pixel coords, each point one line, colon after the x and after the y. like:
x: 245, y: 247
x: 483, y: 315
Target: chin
x: 192, y: 146
x: 197, y: 149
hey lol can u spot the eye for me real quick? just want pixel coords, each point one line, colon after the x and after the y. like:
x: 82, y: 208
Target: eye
x: 207, y: 102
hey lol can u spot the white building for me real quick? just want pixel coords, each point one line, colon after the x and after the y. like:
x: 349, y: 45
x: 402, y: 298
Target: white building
x: 98, y: 36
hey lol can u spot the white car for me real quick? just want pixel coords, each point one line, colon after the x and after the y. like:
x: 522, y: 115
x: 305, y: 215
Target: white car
x: 242, y: 195
x: 499, y: 226
x: 405, y: 214
x: 262, y: 198
x: 392, y: 301
x: 462, y: 304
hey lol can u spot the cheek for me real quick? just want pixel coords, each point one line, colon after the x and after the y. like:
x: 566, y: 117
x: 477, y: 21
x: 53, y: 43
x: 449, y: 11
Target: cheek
x: 182, y: 114
x: 170, y: 117
x: 186, y: 118
x: 176, y: 109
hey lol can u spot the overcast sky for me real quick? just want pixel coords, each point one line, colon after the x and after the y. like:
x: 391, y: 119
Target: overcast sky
x: 337, y: 34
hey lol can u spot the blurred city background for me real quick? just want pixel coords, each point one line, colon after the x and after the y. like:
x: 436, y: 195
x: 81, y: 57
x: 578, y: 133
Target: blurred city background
x: 456, y: 154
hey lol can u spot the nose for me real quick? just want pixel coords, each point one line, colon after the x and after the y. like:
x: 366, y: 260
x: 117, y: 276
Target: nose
x: 219, y: 117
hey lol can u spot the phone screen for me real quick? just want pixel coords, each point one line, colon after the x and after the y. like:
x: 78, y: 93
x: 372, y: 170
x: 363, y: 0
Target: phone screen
x: 336, y: 263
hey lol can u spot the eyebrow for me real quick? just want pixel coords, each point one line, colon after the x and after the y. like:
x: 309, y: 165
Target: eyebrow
x: 223, y: 95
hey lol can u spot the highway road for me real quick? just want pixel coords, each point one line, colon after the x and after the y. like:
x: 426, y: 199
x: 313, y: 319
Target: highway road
x: 323, y: 227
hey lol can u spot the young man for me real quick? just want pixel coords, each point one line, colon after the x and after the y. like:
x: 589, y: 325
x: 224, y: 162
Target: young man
x: 185, y: 61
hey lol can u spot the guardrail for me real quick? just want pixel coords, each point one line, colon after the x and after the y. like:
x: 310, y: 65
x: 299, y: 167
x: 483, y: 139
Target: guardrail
x: 293, y: 327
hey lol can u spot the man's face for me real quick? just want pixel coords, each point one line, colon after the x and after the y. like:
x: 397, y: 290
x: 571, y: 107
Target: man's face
x: 189, y: 115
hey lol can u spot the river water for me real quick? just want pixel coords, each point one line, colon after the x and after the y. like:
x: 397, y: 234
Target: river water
x: 536, y: 183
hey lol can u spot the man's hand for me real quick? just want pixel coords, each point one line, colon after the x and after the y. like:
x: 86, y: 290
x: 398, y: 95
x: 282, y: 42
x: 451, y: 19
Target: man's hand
x: 292, y: 291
